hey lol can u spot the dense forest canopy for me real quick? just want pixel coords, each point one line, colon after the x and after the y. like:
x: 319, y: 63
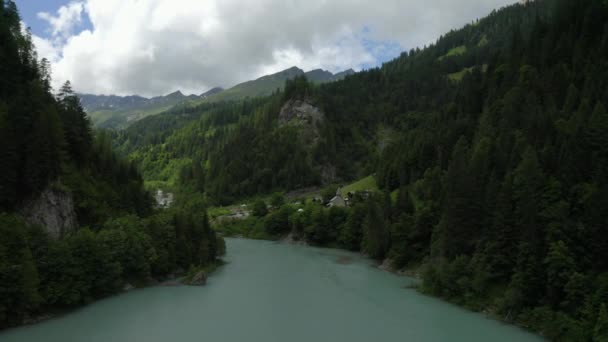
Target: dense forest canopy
x: 495, y: 139
x: 46, y: 143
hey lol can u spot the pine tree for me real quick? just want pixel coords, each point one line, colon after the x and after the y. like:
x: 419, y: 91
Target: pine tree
x: 460, y: 221
x: 559, y: 266
x: 598, y: 128
x: 31, y: 281
x: 77, y: 127
x: 8, y: 162
x: 375, y: 232
x: 527, y: 282
x: 571, y: 102
x: 600, y: 333
x: 528, y: 183
x: 404, y: 205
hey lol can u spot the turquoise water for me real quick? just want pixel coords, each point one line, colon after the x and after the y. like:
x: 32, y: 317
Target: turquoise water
x: 273, y: 292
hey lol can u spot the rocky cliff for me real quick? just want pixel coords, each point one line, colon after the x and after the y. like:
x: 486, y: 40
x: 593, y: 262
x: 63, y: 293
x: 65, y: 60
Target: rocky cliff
x: 305, y: 115
x: 54, y: 210
x: 309, y: 119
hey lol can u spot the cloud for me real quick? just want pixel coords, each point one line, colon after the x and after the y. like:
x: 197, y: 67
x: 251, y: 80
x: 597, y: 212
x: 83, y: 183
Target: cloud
x: 67, y: 18
x: 157, y: 46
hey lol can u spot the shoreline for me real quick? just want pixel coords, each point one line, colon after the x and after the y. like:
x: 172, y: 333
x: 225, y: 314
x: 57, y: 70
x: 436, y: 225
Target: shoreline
x: 385, y: 265
x: 173, y: 281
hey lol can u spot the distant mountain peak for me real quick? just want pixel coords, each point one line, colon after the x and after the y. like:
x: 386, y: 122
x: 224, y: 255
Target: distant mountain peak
x: 212, y: 91
x: 177, y: 93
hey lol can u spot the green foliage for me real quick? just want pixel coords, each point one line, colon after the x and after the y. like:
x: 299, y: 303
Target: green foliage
x: 352, y: 234
x: 38, y: 272
x: 31, y: 281
x: 277, y: 222
x: 259, y: 208
x: 365, y: 184
x: 277, y: 200
x: 457, y: 51
x: 600, y: 333
x: 328, y: 193
x: 375, y: 231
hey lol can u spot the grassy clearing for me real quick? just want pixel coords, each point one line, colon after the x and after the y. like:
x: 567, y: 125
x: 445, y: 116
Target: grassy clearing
x: 457, y: 76
x: 367, y: 183
x: 155, y: 185
x: 214, y: 212
x: 457, y: 51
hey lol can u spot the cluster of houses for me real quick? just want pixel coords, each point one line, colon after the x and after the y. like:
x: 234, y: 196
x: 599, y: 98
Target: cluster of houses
x: 345, y: 201
x: 340, y: 201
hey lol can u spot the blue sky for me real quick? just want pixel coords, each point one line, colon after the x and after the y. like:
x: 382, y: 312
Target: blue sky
x: 29, y: 10
x: 154, y: 47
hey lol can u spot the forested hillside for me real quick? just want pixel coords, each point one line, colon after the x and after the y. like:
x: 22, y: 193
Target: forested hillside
x: 47, y: 144
x: 496, y: 138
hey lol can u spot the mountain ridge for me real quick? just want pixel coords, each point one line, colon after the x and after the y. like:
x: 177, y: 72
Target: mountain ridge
x: 113, y: 111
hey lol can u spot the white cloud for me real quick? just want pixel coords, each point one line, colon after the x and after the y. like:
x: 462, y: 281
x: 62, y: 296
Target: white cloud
x: 157, y: 46
x: 67, y: 18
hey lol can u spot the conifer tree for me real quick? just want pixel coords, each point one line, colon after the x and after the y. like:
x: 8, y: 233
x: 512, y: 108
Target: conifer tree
x: 31, y: 281
x: 600, y: 333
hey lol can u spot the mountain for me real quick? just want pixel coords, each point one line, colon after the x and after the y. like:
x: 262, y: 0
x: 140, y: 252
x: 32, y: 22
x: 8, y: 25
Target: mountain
x: 212, y: 92
x: 118, y: 111
x: 265, y: 85
x: 489, y: 148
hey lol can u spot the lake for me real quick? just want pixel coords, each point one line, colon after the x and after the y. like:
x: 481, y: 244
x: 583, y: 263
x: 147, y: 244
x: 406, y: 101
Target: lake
x: 276, y: 292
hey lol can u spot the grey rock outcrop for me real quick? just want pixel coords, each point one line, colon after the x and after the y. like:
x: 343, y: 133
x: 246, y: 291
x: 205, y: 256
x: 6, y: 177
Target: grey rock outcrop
x: 163, y: 199
x: 304, y: 115
x: 298, y: 112
x: 199, y: 279
x: 53, y: 210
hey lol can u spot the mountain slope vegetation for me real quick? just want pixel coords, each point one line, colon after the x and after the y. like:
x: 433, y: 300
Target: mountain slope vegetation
x: 47, y: 144
x: 500, y: 172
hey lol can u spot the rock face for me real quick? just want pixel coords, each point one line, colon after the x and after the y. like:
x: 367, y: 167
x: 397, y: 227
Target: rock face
x: 387, y: 265
x: 54, y: 210
x: 304, y: 115
x: 199, y: 279
x: 163, y: 199
x: 294, y: 239
x: 308, y: 119
x: 300, y: 112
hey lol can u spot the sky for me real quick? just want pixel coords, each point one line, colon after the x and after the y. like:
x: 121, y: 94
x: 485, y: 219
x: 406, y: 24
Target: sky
x: 155, y: 47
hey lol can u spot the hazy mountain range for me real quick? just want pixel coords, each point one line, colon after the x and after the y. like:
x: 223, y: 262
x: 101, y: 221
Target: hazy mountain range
x: 111, y: 111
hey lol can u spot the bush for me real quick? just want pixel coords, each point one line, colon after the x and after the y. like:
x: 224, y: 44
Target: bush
x: 277, y: 223
x: 259, y: 208
x: 277, y: 200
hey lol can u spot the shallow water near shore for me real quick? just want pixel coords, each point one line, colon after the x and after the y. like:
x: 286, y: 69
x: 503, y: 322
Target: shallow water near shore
x: 276, y: 292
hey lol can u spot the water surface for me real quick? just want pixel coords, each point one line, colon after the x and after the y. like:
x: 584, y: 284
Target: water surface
x: 272, y: 292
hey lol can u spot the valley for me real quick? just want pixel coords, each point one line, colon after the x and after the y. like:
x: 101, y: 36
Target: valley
x: 474, y: 168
